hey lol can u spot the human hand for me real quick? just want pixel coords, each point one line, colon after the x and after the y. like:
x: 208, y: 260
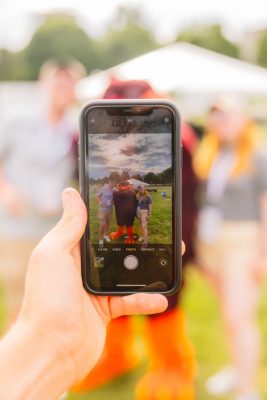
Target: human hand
x: 12, y: 200
x: 73, y: 321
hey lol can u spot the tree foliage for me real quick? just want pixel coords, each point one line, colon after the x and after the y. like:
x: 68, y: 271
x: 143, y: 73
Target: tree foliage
x: 61, y: 38
x: 262, y: 49
x: 126, y: 38
x: 210, y: 37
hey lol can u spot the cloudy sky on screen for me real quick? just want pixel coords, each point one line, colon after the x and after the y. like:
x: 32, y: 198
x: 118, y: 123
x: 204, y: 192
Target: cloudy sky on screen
x: 136, y: 153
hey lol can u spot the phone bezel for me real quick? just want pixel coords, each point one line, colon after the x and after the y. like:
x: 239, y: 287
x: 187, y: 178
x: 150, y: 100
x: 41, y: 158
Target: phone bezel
x: 177, y: 195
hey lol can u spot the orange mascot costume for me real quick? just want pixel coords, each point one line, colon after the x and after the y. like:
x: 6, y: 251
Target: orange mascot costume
x: 125, y: 204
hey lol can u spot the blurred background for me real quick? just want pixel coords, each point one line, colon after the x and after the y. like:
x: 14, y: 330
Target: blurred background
x: 211, y: 59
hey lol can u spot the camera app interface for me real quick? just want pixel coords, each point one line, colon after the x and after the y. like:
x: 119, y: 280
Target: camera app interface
x: 130, y: 168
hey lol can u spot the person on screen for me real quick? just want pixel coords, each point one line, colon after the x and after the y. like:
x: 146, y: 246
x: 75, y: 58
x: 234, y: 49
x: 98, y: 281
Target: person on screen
x: 105, y: 202
x: 125, y: 209
x: 232, y: 236
x: 144, y: 212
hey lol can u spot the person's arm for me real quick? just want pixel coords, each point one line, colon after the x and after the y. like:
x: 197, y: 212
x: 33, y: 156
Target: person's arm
x: 260, y: 264
x: 10, y: 198
x: 149, y: 206
x: 259, y: 163
x: 31, y: 366
x: 98, y: 197
x: 61, y: 329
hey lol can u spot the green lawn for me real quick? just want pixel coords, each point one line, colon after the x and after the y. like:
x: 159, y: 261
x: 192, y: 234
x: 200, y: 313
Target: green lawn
x: 159, y: 226
x: 205, y: 330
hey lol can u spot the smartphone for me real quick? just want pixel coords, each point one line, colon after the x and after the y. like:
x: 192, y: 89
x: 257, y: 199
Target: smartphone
x: 130, y: 181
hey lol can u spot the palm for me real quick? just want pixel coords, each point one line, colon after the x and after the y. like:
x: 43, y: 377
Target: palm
x: 73, y: 320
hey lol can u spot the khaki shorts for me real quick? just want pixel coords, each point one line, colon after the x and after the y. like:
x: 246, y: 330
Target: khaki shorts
x: 14, y: 258
x: 237, y: 246
x: 105, y: 217
x: 143, y: 216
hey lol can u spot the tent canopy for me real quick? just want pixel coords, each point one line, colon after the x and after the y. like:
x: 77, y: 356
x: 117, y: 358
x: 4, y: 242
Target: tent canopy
x: 136, y: 182
x: 183, y: 68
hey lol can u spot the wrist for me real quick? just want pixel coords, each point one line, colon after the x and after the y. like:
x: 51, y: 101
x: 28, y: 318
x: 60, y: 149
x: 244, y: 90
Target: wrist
x: 47, y: 370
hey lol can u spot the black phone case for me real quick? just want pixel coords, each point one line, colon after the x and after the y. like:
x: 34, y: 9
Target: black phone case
x: 177, y: 257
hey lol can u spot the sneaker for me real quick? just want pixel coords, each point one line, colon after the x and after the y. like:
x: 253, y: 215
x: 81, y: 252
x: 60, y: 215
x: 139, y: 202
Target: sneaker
x: 141, y: 239
x: 101, y: 242
x: 107, y: 239
x: 223, y: 382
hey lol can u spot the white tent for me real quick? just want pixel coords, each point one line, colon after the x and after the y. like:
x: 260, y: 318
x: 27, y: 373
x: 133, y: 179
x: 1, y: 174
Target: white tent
x: 136, y: 182
x: 183, y: 68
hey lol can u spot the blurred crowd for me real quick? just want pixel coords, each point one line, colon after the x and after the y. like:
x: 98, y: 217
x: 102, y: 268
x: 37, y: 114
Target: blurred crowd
x: 224, y: 229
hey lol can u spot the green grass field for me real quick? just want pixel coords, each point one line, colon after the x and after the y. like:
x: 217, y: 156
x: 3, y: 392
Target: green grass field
x: 159, y: 226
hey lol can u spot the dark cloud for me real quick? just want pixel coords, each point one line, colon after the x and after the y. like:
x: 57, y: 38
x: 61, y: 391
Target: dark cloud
x: 99, y: 159
x: 144, y: 146
x: 131, y: 150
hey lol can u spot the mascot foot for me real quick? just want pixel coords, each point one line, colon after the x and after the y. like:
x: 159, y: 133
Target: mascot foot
x: 164, y: 384
x: 119, y: 356
x: 130, y: 234
x: 172, y: 360
x: 117, y: 234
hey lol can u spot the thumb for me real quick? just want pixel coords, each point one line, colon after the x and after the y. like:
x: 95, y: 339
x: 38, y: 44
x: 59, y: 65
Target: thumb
x: 71, y: 226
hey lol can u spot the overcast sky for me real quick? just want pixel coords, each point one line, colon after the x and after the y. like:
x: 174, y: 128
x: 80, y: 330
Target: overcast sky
x: 136, y: 153
x: 18, y: 17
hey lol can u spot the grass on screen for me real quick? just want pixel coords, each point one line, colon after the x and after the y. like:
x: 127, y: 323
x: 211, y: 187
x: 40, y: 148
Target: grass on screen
x: 159, y: 226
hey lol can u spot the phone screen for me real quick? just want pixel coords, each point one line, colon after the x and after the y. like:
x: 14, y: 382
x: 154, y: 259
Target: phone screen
x: 130, y: 170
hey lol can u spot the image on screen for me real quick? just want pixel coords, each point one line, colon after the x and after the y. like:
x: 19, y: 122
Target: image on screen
x: 130, y: 188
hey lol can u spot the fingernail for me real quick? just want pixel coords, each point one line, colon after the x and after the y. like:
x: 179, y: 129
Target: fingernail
x: 66, y: 196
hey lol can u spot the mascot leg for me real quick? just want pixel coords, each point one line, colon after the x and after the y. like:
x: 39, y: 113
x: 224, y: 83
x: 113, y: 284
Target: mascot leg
x: 119, y: 356
x: 117, y: 234
x: 172, y: 359
x: 130, y: 233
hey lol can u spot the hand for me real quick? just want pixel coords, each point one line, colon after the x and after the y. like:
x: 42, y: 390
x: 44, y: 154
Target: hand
x: 12, y: 201
x: 55, y: 301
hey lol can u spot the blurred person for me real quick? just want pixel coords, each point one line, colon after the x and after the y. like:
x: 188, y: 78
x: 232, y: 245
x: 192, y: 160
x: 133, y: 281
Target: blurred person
x: 232, y: 236
x: 37, y: 160
x: 61, y: 329
x: 105, y: 202
x: 144, y: 212
x: 171, y: 355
